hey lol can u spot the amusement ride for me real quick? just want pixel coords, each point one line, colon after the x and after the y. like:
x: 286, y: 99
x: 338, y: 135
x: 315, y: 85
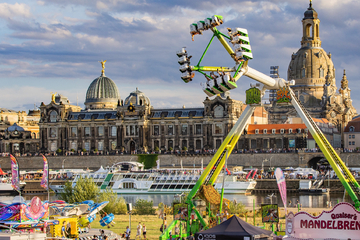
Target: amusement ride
x: 223, y: 79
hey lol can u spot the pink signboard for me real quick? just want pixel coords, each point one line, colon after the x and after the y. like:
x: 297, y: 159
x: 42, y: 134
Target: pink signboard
x: 342, y: 222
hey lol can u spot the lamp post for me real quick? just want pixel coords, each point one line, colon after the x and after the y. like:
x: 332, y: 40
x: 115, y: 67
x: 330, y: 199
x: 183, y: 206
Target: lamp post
x: 262, y: 164
x: 63, y: 162
x: 270, y: 160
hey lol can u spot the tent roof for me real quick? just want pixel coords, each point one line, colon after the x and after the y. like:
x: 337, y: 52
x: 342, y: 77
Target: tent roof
x: 101, y: 170
x: 235, y: 227
x: 2, y: 172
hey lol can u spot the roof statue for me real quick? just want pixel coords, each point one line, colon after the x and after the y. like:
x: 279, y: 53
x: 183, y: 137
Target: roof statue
x: 53, y: 96
x: 103, y: 66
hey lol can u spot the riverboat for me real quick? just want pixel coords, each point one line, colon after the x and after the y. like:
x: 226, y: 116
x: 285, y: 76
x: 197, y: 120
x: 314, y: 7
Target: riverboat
x: 6, y: 188
x: 130, y: 178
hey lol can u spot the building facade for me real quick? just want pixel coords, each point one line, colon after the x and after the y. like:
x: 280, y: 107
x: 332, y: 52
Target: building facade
x: 110, y: 124
x: 315, y: 86
x: 19, y: 131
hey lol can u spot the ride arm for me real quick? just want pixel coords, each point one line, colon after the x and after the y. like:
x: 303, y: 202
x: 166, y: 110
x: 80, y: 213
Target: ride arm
x: 343, y: 173
x: 214, y: 167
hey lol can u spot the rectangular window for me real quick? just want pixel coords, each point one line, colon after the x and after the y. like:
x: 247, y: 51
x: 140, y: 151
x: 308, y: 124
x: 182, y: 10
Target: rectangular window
x: 170, y: 130
x: 350, y: 136
x: 218, y: 128
x: 132, y: 130
x: 353, y: 143
x: 73, y: 132
x: 53, y: 132
x: 170, y: 144
x: 113, y: 145
x: 100, y: 145
x: 198, y: 129
x: 53, y: 146
x: 198, y: 144
x: 74, y: 146
x: 353, y: 136
x: 101, y: 131
x: 113, y: 131
x: 184, y: 129
x: 87, y: 146
x: 349, y: 143
x: 156, y: 130
x: 87, y: 131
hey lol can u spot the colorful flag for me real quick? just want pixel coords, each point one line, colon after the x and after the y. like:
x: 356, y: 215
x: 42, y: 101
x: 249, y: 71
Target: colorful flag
x: 248, y: 175
x: 15, y: 182
x: 45, y: 178
x: 280, y: 179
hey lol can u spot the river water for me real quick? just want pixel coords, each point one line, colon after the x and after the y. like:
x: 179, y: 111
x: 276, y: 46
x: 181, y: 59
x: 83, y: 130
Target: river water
x: 307, y: 201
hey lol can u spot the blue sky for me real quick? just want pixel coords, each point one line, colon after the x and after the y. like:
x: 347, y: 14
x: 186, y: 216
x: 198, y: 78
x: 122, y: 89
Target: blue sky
x: 54, y: 46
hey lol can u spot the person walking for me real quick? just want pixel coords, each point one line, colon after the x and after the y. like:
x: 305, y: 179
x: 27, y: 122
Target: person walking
x: 138, y: 231
x: 127, y: 233
x: 144, y: 231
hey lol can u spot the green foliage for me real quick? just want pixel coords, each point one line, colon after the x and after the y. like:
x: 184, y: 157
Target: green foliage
x: 170, y: 148
x: 144, y: 207
x: 116, y: 205
x: 156, y: 149
x: 85, y: 189
x: 184, y: 148
x: 149, y: 160
x: 237, y: 208
x: 58, y: 150
x: 84, y: 150
x: 96, y: 150
x: 73, y: 150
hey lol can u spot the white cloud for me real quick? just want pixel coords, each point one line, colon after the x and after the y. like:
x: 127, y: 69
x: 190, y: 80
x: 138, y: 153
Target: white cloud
x: 15, y: 10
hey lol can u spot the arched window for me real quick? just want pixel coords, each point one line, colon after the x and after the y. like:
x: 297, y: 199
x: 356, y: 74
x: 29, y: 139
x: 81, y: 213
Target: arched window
x: 321, y: 72
x: 352, y: 129
x: 53, y: 116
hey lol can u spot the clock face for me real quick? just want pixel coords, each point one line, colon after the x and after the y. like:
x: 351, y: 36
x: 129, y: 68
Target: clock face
x: 16, y: 132
x: 333, y: 114
x: 218, y: 111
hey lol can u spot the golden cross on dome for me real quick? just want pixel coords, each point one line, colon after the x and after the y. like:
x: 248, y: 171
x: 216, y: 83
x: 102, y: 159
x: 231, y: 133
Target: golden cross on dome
x: 103, y: 66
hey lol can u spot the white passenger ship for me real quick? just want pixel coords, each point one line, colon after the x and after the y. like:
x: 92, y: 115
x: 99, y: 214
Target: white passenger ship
x: 130, y: 178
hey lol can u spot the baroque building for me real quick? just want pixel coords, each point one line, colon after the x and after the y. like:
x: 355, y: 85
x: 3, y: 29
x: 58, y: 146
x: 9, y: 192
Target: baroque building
x: 111, y: 124
x: 315, y: 85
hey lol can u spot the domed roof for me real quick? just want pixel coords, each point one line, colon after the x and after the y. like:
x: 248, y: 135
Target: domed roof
x: 310, y: 13
x: 102, y: 88
x: 137, y: 98
x: 15, y: 127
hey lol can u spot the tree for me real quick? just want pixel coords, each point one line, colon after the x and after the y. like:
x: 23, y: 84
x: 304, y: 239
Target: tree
x: 85, y: 189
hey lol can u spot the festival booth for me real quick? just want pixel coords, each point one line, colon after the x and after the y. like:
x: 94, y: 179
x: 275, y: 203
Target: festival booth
x: 234, y: 228
x: 342, y: 222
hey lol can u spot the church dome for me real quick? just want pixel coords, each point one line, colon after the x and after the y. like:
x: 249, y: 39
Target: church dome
x: 102, y: 93
x: 137, y: 98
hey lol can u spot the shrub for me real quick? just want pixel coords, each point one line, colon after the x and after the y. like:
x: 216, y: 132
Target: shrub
x: 170, y: 148
x: 144, y: 207
x: 184, y: 148
x: 58, y: 150
x: 73, y: 150
x: 84, y: 150
x: 116, y: 205
x: 96, y: 150
x: 149, y: 160
x: 156, y: 149
x: 237, y: 208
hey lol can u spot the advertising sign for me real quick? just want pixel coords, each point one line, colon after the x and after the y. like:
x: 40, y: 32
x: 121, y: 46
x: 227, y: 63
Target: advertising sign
x: 269, y: 213
x: 280, y: 179
x: 342, y: 222
x: 180, y: 211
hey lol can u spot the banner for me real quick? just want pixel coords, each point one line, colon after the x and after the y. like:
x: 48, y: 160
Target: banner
x: 45, y: 177
x: 254, y: 173
x: 15, y: 182
x: 341, y: 222
x: 280, y: 179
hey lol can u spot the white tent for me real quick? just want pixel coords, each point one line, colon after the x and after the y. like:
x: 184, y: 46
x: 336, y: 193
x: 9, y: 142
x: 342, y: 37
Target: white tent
x: 101, y: 170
